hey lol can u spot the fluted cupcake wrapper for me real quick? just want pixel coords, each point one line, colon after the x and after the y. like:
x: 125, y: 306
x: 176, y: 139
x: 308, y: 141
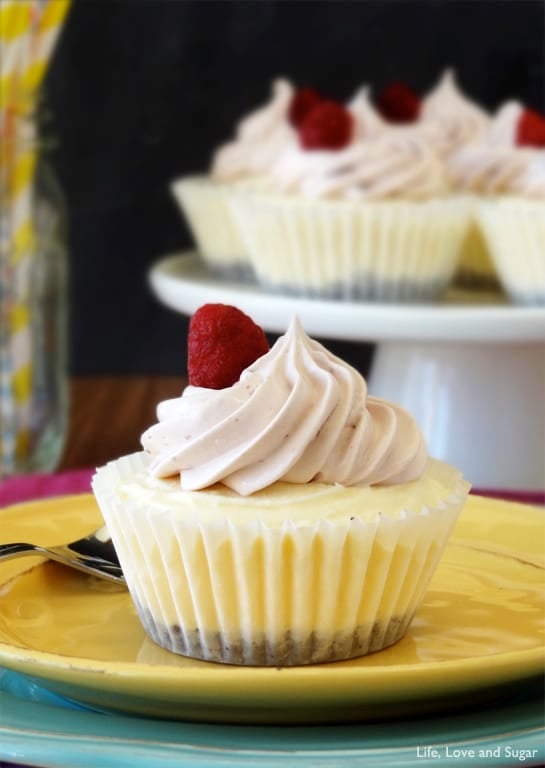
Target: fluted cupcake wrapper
x: 388, y: 251
x: 255, y: 594
x: 205, y: 204
x: 475, y: 268
x: 514, y: 230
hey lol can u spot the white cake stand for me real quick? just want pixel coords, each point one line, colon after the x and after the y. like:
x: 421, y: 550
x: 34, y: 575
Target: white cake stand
x: 472, y: 374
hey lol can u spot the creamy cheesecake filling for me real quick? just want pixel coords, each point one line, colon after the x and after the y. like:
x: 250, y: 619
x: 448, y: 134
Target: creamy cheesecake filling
x: 240, y: 566
x: 301, y: 504
x: 289, y: 519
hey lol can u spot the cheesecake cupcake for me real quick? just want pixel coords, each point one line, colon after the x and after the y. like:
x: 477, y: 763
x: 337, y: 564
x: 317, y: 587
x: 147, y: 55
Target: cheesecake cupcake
x: 352, y: 218
x: 459, y: 121
x: 505, y: 172
x: 205, y: 205
x: 449, y: 121
x: 286, y: 519
x: 204, y: 199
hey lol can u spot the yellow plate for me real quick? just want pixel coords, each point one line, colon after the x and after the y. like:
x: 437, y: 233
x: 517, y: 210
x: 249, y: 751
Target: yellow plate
x: 478, y: 635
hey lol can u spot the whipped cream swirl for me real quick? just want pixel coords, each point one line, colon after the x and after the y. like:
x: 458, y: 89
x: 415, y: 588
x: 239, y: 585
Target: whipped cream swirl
x: 504, y: 125
x: 496, y: 165
x: 488, y: 170
x: 368, y: 124
x: 298, y: 414
x: 260, y: 138
x: 459, y: 120
x: 395, y: 165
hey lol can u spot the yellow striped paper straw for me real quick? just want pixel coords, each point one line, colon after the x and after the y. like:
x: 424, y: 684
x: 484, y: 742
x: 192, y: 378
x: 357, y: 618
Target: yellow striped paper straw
x: 29, y: 30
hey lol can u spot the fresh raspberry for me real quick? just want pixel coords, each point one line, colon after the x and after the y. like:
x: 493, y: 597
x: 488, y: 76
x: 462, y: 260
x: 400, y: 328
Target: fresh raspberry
x: 398, y: 103
x: 530, y: 129
x: 303, y: 101
x: 328, y: 126
x: 222, y: 342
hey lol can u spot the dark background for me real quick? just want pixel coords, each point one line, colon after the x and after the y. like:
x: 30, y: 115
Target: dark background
x: 142, y: 91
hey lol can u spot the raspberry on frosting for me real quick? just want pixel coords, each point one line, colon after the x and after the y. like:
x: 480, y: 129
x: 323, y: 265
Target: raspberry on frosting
x: 298, y: 414
x: 222, y: 342
x: 303, y: 101
x: 530, y: 129
x: 329, y: 125
x: 398, y: 103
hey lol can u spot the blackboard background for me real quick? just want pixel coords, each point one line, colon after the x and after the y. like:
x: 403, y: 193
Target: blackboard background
x: 142, y: 90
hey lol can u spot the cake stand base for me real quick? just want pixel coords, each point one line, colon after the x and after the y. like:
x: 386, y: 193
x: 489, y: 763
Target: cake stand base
x: 480, y: 406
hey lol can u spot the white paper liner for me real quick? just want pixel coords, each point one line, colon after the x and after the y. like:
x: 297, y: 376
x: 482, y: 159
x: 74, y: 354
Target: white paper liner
x: 353, y: 250
x: 260, y: 595
x: 206, y: 208
x: 475, y: 268
x: 515, y: 233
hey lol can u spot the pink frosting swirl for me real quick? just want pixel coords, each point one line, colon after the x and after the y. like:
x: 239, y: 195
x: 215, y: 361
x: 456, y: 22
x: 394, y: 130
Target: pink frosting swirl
x: 368, y: 124
x: 499, y: 171
x: 459, y: 121
x: 496, y: 165
x: 503, y: 127
x: 298, y: 414
x: 260, y: 138
x: 394, y: 165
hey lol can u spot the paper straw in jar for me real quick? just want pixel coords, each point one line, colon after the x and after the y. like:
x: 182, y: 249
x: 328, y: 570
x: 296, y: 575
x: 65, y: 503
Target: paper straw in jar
x: 29, y: 30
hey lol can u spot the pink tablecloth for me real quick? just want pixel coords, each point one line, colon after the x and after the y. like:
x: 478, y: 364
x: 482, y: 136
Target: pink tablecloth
x: 27, y: 487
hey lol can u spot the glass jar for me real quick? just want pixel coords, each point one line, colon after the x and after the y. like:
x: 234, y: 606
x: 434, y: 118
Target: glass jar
x: 33, y: 327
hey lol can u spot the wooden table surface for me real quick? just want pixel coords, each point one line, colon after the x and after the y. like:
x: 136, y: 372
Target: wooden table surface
x: 107, y: 415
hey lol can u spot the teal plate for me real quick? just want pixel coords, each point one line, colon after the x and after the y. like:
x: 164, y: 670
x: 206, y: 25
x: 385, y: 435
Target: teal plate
x: 39, y: 728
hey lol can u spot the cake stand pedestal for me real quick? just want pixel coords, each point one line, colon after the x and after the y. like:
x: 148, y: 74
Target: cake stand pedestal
x: 471, y: 369
x: 481, y: 406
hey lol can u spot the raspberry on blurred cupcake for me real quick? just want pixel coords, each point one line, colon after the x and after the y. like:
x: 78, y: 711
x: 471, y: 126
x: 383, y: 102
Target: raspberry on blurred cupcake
x: 398, y: 103
x: 352, y: 216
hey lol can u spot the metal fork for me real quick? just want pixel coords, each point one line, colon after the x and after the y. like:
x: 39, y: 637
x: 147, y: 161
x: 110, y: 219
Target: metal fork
x: 94, y: 554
